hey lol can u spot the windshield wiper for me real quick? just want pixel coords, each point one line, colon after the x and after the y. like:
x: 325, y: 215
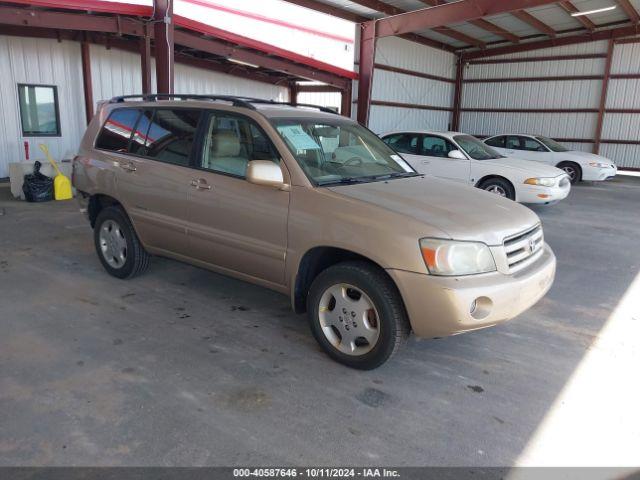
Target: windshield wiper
x: 368, y: 178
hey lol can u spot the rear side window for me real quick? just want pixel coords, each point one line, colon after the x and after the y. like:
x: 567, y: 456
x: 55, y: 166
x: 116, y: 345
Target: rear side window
x: 167, y: 135
x: 497, y: 142
x: 117, y: 130
x: 436, y: 147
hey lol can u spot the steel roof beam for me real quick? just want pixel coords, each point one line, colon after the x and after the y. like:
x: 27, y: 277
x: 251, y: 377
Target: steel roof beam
x: 387, y: 9
x: 449, y: 13
x: 630, y: 10
x: 532, y: 21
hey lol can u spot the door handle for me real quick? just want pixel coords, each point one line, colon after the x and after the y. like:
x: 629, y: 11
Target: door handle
x: 129, y: 167
x: 426, y: 162
x: 200, y: 184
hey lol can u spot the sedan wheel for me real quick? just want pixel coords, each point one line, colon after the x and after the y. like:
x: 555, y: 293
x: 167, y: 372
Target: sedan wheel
x: 571, y: 171
x: 497, y: 189
x: 499, y: 186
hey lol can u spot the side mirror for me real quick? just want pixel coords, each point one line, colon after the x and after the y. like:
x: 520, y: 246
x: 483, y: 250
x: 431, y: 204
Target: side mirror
x: 457, y: 154
x: 265, y: 172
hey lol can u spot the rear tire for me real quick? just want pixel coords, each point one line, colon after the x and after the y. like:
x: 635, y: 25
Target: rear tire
x: 573, y: 170
x: 499, y: 186
x: 117, y: 245
x: 357, y: 315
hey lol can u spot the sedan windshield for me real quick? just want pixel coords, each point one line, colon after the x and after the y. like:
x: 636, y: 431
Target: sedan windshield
x: 336, y: 151
x: 553, y: 145
x: 475, y: 148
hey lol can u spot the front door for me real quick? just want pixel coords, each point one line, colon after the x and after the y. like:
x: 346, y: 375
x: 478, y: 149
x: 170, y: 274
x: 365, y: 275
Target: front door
x: 408, y: 144
x: 435, y: 150
x: 235, y: 224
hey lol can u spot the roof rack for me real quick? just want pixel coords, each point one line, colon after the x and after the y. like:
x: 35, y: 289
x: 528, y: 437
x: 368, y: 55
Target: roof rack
x: 246, y: 102
x: 154, y: 97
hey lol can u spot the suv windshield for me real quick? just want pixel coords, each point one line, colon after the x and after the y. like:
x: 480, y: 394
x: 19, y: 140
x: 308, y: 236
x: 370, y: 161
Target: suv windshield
x: 552, y: 144
x: 475, y: 148
x: 338, y: 151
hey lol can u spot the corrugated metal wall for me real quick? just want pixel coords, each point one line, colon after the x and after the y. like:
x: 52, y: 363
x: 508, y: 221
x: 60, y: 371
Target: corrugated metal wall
x: 623, y: 94
x: 558, y: 94
x: 113, y: 72
x: 39, y: 61
x: 325, y: 99
x: 409, y: 89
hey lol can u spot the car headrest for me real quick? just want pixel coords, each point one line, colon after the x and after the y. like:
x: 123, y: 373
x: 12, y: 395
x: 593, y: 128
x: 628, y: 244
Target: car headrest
x: 225, y: 144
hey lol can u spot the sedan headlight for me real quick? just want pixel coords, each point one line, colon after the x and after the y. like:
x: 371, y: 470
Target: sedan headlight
x: 543, y: 182
x: 599, y: 165
x: 451, y: 258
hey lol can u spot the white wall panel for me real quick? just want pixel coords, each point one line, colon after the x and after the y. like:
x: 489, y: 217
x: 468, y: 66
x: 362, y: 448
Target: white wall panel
x: 591, y: 66
x: 400, y: 53
x: 385, y: 119
x: 622, y: 155
x: 115, y: 72
x: 575, y: 49
x: 560, y: 125
x: 195, y: 80
x: 39, y: 61
x: 623, y: 93
x: 324, y: 99
x: 401, y: 88
x: 566, y: 94
x: 397, y: 87
x: 621, y: 126
x: 626, y: 58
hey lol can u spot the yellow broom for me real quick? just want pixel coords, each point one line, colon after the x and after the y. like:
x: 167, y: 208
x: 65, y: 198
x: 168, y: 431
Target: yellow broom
x: 61, y: 184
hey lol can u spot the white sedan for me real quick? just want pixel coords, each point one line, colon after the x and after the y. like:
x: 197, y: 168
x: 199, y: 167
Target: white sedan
x: 463, y: 158
x: 578, y: 165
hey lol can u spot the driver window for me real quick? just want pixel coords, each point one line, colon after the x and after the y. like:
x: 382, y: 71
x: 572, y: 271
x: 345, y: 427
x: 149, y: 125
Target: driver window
x: 403, y: 143
x: 531, y: 145
x: 436, y: 147
x: 231, y: 142
x: 513, y: 143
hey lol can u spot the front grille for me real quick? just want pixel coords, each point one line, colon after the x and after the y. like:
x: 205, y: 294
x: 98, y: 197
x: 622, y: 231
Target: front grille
x: 524, y: 248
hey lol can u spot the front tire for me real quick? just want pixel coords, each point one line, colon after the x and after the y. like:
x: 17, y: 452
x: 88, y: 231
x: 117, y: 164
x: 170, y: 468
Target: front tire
x: 117, y: 245
x: 499, y: 186
x: 573, y: 170
x: 357, y: 315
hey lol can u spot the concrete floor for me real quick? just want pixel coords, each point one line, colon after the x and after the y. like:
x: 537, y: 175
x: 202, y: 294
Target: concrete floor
x: 186, y: 367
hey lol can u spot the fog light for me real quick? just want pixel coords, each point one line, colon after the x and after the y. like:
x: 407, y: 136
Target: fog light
x: 480, y: 308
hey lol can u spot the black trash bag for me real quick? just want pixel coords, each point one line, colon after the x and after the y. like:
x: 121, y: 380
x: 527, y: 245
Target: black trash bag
x: 37, y: 187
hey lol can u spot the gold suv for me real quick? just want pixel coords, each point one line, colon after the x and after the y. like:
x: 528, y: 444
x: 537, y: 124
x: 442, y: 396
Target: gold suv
x: 308, y: 203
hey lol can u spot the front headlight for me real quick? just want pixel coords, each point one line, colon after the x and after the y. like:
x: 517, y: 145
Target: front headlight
x: 543, y: 182
x: 451, y: 258
x: 599, y: 165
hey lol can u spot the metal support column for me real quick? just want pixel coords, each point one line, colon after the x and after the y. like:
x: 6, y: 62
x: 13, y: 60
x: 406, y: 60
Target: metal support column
x: 86, y: 78
x: 163, y: 37
x: 367, y: 60
x: 603, y: 96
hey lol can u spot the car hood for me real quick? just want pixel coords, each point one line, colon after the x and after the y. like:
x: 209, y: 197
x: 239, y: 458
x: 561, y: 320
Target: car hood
x: 584, y: 157
x: 531, y: 168
x: 462, y: 212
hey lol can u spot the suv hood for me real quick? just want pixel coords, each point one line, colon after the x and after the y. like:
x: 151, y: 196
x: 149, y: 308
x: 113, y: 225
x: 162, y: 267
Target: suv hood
x: 531, y: 168
x: 462, y: 212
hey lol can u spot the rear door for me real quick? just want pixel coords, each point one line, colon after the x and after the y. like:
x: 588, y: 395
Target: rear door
x: 153, y: 175
x: 435, y: 150
x: 528, y: 148
x: 234, y: 224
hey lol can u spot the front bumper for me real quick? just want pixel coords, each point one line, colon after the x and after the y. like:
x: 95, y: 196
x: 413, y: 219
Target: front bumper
x: 595, y: 174
x: 540, y: 194
x: 441, y: 306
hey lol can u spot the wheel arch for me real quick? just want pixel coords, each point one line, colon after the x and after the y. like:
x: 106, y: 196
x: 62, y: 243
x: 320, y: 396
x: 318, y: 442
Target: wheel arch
x: 500, y: 177
x: 577, y: 165
x: 97, y: 203
x: 316, y: 260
